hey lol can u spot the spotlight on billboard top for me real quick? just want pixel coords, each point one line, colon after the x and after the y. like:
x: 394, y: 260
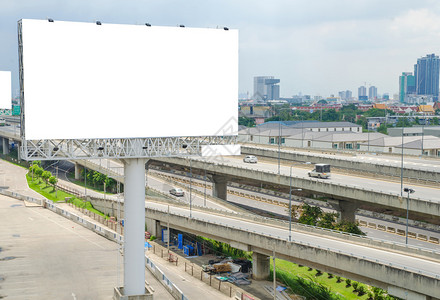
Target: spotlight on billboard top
x: 81, y: 80
x: 5, y: 90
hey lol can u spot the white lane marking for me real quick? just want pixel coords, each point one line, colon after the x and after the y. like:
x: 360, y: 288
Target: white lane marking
x: 34, y: 211
x: 74, y: 296
x: 31, y: 219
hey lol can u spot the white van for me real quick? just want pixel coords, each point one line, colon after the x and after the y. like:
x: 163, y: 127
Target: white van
x: 320, y: 171
x: 250, y: 159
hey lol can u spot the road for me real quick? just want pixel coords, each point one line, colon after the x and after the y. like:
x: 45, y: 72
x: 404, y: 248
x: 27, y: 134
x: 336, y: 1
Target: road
x: 425, y: 163
x: 422, y: 192
x: 199, y: 200
x: 429, y: 268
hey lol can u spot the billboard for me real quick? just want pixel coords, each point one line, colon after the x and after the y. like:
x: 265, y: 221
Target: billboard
x: 5, y: 89
x: 83, y: 80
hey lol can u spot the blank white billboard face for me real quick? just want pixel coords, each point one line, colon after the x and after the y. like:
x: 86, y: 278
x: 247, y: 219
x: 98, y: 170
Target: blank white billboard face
x: 84, y: 80
x: 5, y: 89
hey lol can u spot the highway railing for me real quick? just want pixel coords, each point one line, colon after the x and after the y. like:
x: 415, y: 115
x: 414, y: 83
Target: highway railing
x: 314, y: 245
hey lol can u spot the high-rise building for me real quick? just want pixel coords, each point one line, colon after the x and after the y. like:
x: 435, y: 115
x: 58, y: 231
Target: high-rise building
x: 372, y: 93
x: 362, y: 93
x: 426, y: 73
x: 407, y: 86
x: 266, y: 88
x: 345, y: 95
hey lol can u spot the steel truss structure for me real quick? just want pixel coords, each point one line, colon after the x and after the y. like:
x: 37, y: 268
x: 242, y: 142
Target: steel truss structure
x: 119, y: 148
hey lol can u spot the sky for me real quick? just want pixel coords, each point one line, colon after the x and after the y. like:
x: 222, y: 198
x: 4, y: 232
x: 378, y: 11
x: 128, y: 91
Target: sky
x: 316, y: 47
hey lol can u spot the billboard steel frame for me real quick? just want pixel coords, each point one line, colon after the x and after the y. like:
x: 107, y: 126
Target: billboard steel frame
x: 118, y: 148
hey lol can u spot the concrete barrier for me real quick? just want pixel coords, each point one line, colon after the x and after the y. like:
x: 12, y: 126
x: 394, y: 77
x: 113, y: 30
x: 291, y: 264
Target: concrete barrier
x: 372, y: 225
x: 412, y: 235
x: 434, y: 240
x: 422, y: 237
x: 381, y: 227
x: 401, y: 232
x: 391, y: 229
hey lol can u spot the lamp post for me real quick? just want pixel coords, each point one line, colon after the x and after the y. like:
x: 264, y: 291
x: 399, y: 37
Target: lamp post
x: 204, y: 193
x: 290, y: 204
x: 408, y: 191
x: 190, y: 189
x: 401, y: 162
x: 279, y: 144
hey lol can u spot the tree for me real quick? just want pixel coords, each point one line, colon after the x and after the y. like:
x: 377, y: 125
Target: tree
x: 403, y: 122
x: 435, y: 121
x: 330, y: 115
x: 245, y: 121
x: 53, y: 180
x: 382, y: 129
x: 327, y: 220
x: 46, y: 175
x: 310, y: 214
x: 38, y: 171
x: 350, y: 227
x: 375, y: 112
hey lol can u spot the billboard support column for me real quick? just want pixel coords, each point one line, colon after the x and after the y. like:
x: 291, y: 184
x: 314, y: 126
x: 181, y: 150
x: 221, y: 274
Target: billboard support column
x: 5, y: 146
x: 134, y: 227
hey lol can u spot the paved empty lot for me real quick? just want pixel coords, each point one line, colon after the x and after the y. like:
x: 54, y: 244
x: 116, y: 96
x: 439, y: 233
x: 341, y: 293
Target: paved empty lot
x: 44, y: 256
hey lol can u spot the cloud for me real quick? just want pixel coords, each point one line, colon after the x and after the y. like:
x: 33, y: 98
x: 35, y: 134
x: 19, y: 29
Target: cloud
x: 319, y: 46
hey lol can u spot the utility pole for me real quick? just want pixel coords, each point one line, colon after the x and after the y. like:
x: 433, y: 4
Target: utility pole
x: 274, y: 277
x: 168, y: 229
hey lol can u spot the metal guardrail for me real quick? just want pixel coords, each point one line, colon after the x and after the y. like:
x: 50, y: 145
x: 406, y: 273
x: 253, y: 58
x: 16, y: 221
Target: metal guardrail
x: 285, y: 239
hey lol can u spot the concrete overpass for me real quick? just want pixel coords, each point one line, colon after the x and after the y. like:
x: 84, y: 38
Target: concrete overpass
x: 345, y: 198
x: 406, y: 272
x: 9, y: 133
x: 387, y: 165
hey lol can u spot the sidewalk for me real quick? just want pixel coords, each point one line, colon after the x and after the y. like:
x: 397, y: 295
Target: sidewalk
x: 192, y: 287
x: 13, y: 178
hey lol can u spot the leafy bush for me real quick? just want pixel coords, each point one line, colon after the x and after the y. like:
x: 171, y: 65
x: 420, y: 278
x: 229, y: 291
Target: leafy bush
x: 153, y: 237
x: 318, y: 272
x: 361, y: 290
x: 330, y: 275
x: 355, y: 286
x: 348, y: 282
x: 338, y: 279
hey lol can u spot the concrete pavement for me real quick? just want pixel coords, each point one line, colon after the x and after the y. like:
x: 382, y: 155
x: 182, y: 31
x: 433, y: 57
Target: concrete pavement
x: 45, y: 256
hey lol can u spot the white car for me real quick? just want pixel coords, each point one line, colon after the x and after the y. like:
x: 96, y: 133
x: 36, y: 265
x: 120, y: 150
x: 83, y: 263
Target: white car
x: 177, y: 192
x: 250, y: 159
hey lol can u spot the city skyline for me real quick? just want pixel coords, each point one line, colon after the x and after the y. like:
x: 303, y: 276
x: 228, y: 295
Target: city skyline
x: 316, y: 48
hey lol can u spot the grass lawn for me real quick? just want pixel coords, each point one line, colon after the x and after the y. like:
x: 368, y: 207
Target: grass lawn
x: 48, y: 191
x: 289, y: 269
x: 99, y: 189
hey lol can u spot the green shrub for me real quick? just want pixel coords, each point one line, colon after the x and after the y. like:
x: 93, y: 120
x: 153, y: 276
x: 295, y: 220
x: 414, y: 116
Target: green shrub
x: 330, y: 275
x: 361, y: 290
x: 153, y: 237
x: 348, y: 282
x: 338, y: 279
x: 355, y: 286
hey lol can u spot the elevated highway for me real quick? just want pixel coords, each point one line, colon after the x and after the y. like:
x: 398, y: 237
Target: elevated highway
x: 417, y: 169
x: 402, y: 274
x: 347, y: 192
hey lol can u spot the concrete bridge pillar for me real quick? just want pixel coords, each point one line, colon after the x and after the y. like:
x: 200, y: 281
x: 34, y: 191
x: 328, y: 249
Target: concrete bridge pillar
x: 154, y: 227
x: 5, y: 146
x: 346, y: 209
x: 260, y: 266
x: 77, y: 171
x: 18, y: 151
x: 220, y: 187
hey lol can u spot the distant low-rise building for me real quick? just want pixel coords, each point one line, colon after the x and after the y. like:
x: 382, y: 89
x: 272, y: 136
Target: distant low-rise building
x: 426, y: 110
